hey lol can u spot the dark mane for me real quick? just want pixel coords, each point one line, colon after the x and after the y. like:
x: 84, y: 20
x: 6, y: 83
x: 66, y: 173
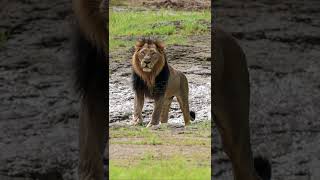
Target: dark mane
x: 89, y: 62
x: 150, y: 40
x: 160, y: 87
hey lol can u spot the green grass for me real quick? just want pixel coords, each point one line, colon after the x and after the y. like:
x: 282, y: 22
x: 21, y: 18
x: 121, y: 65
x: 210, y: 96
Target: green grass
x: 130, y: 132
x: 156, y: 140
x: 118, y: 3
x: 171, y: 26
x: 201, y: 129
x: 175, y: 168
x: 157, y: 154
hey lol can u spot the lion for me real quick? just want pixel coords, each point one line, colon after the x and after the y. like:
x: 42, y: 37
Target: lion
x: 154, y: 78
x: 158, y: 80
x: 90, y: 37
x: 231, y: 108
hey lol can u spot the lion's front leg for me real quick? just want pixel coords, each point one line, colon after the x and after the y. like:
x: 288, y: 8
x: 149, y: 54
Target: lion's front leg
x: 158, y: 105
x: 165, y: 110
x: 92, y: 137
x: 138, y: 106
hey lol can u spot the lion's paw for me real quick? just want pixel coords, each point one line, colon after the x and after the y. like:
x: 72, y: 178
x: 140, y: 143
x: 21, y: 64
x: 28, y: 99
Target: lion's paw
x: 153, y: 126
x: 136, y: 121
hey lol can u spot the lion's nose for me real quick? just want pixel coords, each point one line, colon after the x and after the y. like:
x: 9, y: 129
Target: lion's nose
x: 147, y: 61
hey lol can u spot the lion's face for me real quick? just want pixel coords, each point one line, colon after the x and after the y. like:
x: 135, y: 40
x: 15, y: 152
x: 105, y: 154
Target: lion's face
x: 148, y: 56
x: 148, y: 59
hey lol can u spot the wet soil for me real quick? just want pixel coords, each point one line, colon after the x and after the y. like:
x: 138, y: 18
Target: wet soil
x: 38, y: 110
x: 281, y: 41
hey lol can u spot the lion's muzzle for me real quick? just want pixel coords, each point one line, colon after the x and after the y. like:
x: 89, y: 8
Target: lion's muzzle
x: 146, y: 64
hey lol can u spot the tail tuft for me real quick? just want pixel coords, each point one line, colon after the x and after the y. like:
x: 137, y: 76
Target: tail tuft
x: 193, y: 115
x: 262, y: 167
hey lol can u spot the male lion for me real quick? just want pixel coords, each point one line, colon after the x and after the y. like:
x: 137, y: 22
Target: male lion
x: 154, y: 78
x: 90, y: 63
x: 161, y: 82
x: 231, y: 108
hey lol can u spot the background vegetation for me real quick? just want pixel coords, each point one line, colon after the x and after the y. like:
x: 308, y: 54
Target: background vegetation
x: 172, y: 26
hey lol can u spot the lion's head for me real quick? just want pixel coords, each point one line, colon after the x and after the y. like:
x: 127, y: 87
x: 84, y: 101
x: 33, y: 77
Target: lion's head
x: 148, y: 59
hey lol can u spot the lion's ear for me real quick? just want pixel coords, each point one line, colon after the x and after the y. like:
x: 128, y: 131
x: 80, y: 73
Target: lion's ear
x: 160, y: 45
x: 139, y: 45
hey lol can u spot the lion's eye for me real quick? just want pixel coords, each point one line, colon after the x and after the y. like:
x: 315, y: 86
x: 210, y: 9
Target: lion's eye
x: 142, y: 53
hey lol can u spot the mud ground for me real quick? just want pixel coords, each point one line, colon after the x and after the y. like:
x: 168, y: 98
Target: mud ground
x: 281, y: 41
x: 38, y: 110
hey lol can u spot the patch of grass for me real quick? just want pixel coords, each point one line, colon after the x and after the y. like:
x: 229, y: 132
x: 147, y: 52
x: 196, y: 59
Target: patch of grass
x: 195, y: 134
x: 130, y: 132
x: 166, y: 153
x: 171, y: 26
x: 174, y: 168
x: 165, y: 140
x: 118, y: 3
x: 201, y: 129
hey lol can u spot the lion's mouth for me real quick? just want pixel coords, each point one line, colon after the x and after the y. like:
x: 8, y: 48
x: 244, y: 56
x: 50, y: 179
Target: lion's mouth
x: 145, y: 69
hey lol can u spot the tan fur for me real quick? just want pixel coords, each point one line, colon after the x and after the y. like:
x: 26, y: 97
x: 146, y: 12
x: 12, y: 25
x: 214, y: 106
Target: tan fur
x: 91, y: 19
x: 149, y: 78
x: 177, y: 86
x: 231, y: 104
x: 91, y: 16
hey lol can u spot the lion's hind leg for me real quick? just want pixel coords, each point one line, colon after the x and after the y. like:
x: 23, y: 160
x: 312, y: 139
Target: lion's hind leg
x: 183, y: 99
x: 233, y: 125
x: 184, y: 105
x: 92, y: 138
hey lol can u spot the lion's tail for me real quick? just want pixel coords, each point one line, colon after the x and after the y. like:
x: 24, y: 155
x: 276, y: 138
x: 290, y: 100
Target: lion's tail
x: 262, y: 167
x: 89, y: 63
x: 192, y: 115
